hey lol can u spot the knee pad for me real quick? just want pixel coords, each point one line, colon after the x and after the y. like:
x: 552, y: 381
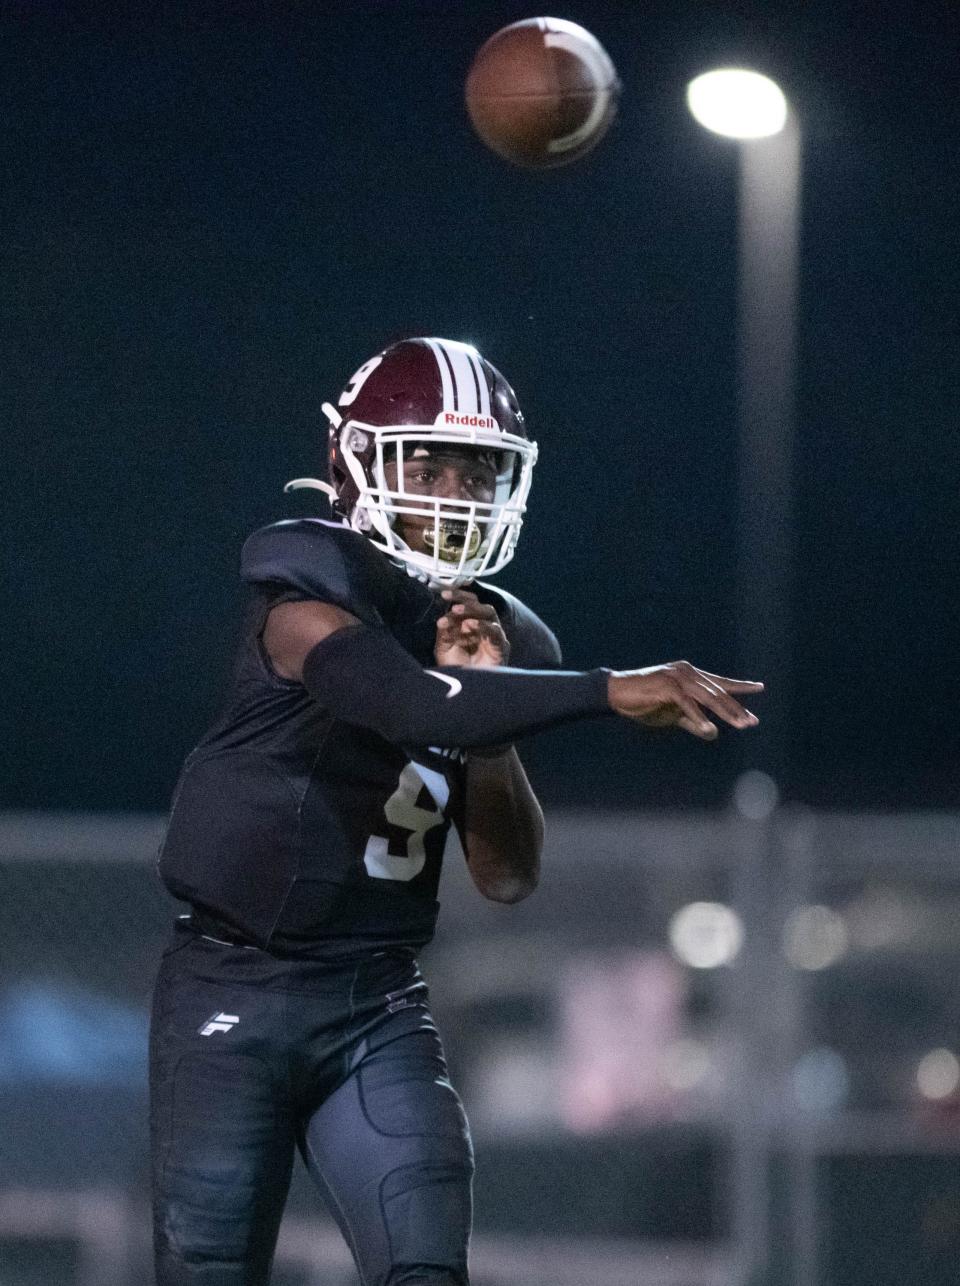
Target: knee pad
x: 218, y: 1188
x: 427, y: 1211
x: 204, y: 1238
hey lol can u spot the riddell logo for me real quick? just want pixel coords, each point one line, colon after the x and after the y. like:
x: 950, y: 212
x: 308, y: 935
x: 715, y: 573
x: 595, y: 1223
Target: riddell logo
x: 467, y: 421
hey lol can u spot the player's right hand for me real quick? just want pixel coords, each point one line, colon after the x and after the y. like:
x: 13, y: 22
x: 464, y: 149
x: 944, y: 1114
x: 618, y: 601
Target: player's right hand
x: 677, y: 695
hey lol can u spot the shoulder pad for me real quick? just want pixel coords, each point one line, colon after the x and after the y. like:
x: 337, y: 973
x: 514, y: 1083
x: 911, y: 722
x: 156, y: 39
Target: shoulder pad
x: 322, y: 560
x: 533, y: 646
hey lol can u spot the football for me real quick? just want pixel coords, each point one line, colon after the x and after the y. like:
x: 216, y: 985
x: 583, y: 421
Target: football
x: 542, y: 92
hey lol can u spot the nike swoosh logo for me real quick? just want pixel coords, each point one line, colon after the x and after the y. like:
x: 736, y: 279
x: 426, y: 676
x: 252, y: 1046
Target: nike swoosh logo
x: 453, y: 684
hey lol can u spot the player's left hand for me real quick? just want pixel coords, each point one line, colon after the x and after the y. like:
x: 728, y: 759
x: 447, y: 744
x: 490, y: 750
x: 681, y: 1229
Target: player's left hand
x: 469, y: 633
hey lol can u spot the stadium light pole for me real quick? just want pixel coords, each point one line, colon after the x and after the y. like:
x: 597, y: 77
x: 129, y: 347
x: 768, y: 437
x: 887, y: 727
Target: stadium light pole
x: 753, y: 110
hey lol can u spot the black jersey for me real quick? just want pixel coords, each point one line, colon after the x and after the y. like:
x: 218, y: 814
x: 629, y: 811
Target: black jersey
x: 300, y: 833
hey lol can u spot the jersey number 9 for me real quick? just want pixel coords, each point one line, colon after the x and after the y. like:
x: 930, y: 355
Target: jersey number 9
x: 412, y: 807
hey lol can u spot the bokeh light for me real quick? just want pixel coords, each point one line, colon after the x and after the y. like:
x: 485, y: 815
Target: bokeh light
x: 706, y: 935
x: 820, y: 1081
x: 686, y: 1064
x: 938, y: 1074
x: 814, y: 937
x: 755, y: 795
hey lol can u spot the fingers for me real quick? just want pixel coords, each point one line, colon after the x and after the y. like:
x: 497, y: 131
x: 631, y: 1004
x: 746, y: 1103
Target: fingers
x: 680, y: 695
x: 467, y: 605
x: 715, y: 699
x: 472, y: 629
x: 466, y: 615
x: 692, y: 719
x: 703, y: 728
x: 708, y: 692
x: 459, y: 624
x: 733, y: 685
x: 472, y: 632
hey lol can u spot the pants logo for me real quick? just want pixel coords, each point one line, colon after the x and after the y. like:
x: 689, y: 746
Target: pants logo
x: 219, y: 1022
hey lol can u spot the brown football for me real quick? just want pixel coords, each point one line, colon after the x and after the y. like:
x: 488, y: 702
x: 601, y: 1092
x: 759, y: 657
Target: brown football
x: 542, y: 92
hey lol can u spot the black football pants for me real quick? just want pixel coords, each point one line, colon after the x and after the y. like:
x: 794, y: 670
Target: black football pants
x: 252, y: 1057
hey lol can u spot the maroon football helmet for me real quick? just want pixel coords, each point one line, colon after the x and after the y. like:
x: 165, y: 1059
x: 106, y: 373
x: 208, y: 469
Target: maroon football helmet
x: 429, y: 397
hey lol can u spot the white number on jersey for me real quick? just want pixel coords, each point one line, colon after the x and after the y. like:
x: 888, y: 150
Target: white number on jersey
x: 402, y: 810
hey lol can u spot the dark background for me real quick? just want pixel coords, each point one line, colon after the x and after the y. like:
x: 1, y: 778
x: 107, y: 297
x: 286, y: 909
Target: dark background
x: 211, y: 214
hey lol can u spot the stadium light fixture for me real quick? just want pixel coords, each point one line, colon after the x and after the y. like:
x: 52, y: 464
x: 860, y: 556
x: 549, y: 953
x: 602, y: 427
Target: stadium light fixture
x: 737, y: 103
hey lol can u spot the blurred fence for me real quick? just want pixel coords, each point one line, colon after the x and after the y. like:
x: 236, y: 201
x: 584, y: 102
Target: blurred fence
x: 713, y: 1050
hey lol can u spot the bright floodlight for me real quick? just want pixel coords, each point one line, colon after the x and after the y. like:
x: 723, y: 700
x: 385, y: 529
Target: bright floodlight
x: 738, y: 103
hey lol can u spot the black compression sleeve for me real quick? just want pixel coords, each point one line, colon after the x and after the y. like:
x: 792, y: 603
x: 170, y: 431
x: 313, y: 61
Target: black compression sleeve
x: 363, y: 676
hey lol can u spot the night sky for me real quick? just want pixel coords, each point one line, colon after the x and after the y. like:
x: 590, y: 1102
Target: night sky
x: 212, y: 213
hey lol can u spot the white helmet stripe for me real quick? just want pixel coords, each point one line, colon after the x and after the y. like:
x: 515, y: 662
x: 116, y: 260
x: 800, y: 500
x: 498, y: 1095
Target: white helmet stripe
x: 459, y: 364
x: 446, y: 376
x: 467, y: 383
x: 484, y: 405
x: 467, y: 391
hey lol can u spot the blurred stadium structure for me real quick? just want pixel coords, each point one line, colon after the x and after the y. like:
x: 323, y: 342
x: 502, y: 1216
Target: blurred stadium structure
x: 714, y: 1049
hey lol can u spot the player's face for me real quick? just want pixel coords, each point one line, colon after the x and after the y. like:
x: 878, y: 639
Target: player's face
x: 458, y: 476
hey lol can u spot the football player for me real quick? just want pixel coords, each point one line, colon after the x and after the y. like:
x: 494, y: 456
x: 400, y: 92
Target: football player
x: 378, y: 688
